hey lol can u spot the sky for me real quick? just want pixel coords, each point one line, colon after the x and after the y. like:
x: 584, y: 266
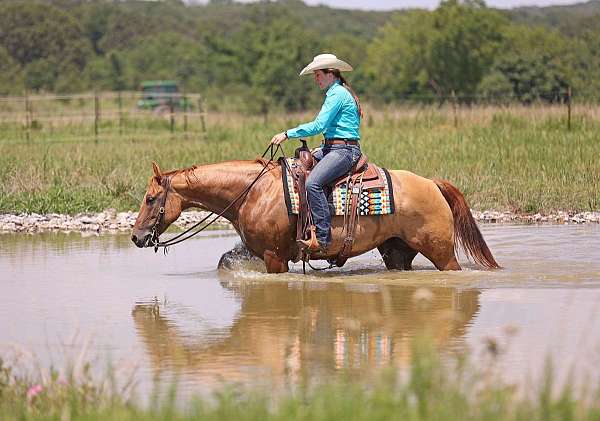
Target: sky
x: 430, y: 4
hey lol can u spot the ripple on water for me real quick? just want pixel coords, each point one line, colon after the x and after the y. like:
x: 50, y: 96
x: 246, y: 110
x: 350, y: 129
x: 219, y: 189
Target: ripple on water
x: 179, y: 313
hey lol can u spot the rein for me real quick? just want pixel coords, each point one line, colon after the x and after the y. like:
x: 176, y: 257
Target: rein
x: 155, y: 241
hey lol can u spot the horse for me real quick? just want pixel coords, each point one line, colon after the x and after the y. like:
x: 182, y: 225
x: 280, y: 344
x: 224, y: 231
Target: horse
x: 431, y: 216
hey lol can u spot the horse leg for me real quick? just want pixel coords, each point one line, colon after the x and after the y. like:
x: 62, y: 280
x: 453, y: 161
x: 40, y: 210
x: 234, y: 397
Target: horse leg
x: 275, y: 263
x: 397, y: 254
x: 440, y: 253
x: 448, y: 263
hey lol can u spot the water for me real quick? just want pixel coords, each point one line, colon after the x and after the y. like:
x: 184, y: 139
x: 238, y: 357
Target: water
x: 65, y: 297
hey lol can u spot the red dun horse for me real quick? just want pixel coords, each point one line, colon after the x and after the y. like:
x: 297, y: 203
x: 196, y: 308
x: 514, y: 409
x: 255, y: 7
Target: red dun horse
x: 431, y: 216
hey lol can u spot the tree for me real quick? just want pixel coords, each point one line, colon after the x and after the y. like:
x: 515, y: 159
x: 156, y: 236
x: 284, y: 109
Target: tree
x: 396, y: 63
x: 452, y: 47
x: 45, y: 41
x: 164, y: 56
x: 273, y: 51
x: 11, y: 77
x: 33, y: 31
x: 534, y: 62
x: 465, y: 39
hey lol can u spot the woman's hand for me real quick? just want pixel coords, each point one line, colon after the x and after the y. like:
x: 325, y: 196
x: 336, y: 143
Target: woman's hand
x: 279, y: 138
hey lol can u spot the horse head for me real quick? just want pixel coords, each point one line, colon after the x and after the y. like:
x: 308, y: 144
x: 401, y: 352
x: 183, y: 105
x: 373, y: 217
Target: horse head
x: 160, y: 207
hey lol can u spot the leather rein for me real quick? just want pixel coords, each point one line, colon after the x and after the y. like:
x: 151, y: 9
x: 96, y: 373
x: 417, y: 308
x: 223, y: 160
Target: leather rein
x: 187, y: 234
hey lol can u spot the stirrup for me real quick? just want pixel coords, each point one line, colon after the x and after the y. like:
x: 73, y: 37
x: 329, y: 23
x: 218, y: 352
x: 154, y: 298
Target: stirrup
x: 312, y: 244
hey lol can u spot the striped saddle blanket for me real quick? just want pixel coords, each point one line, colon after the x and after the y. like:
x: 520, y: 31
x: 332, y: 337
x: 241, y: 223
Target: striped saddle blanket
x: 373, y: 201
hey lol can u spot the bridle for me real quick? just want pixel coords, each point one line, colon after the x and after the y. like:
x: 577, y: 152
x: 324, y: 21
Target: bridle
x: 166, y: 184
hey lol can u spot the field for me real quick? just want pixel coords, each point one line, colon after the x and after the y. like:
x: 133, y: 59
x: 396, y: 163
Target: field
x: 430, y: 390
x: 515, y: 158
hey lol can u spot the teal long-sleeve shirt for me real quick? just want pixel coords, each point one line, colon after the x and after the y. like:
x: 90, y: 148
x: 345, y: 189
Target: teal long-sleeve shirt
x: 338, y: 118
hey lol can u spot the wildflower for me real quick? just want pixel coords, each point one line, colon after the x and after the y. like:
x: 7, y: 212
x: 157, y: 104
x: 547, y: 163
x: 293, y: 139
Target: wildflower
x: 33, y: 391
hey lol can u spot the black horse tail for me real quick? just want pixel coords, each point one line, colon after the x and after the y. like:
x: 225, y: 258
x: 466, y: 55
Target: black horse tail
x: 466, y: 232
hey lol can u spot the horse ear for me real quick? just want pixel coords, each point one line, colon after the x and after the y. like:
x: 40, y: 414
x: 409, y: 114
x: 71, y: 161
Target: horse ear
x: 156, y: 169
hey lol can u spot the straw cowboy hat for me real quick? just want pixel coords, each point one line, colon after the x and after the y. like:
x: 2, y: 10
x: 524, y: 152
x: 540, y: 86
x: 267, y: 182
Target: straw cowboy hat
x: 326, y: 61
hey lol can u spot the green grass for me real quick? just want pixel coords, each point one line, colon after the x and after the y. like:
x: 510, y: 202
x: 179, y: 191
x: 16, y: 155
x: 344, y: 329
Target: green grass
x: 516, y: 158
x: 430, y: 390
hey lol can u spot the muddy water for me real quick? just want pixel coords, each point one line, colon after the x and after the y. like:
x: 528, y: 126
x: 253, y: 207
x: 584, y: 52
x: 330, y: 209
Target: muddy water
x: 66, y: 296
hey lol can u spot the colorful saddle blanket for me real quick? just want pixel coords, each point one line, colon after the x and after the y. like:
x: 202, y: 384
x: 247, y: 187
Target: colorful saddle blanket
x: 377, y: 201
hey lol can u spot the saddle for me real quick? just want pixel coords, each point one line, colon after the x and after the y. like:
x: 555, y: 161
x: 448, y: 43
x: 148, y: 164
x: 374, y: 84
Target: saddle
x: 362, y: 176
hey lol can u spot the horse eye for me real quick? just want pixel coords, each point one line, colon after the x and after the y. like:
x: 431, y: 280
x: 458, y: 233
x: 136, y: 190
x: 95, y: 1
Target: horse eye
x: 149, y: 199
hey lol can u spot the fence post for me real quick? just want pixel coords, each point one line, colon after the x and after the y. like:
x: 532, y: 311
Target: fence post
x: 27, y: 115
x: 201, y: 112
x: 96, y: 115
x: 120, y: 103
x: 454, y: 109
x: 185, y: 106
x: 264, y: 109
x: 569, y: 93
x: 172, y: 115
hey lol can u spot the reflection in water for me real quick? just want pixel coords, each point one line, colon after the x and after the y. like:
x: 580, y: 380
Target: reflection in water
x: 298, y: 330
x: 250, y: 326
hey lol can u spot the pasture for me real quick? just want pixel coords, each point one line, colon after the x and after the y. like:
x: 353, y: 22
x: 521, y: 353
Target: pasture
x: 521, y: 159
x: 185, y: 340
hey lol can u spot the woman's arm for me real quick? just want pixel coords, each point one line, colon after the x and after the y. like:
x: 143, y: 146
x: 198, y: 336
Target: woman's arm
x: 330, y: 108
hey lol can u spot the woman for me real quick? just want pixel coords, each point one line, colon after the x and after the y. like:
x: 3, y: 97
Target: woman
x: 339, y: 121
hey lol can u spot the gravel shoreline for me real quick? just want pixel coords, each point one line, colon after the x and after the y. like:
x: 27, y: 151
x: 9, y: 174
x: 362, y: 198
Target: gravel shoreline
x: 111, y: 221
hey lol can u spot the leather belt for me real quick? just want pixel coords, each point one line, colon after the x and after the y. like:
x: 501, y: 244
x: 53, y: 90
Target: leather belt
x: 341, y: 142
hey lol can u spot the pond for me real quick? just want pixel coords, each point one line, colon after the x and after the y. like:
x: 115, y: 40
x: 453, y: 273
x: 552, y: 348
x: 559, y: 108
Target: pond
x: 67, y: 296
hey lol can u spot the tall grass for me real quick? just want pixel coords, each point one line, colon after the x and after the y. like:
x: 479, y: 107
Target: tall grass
x: 514, y: 158
x: 432, y: 389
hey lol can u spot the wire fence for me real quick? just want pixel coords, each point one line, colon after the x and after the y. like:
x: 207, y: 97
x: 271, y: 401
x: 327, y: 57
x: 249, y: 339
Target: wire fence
x: 106, y: 114
x: 109, y: 115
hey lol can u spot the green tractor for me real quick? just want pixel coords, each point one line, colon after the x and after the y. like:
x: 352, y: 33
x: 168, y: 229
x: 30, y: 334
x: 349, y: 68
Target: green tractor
x: 160, y: 95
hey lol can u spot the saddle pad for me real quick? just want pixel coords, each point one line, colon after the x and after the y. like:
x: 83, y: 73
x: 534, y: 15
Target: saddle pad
x: 372, y: 202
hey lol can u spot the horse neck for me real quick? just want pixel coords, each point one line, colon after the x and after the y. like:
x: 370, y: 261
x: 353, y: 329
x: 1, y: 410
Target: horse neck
x: 214, y: 187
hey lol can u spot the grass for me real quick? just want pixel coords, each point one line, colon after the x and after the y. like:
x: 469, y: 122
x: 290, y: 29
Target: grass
x: 521, y: 159
x: 430, y: 390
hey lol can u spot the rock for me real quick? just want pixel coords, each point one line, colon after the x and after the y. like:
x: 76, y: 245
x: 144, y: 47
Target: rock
x: 111, y: 213
x: 10, y: 226
x: 86, y: 220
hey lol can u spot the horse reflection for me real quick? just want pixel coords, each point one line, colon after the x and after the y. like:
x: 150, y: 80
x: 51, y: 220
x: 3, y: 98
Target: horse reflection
x: 292, y: 331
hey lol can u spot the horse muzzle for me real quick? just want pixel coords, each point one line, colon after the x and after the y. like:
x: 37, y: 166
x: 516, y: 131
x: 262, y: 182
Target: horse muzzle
x: 142, y: 240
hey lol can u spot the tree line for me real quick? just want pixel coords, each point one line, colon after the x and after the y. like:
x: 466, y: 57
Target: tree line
x: 251, y: 54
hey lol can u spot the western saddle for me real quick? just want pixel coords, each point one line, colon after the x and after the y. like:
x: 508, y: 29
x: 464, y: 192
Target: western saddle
x: 362, y: 176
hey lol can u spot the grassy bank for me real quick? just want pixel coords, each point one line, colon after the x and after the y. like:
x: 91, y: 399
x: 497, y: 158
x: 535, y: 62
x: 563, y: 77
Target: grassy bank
x: 504, y: 158
x: 431, y: 390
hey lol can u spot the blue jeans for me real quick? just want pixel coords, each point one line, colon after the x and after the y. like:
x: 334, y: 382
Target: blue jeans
x: 334, y: 161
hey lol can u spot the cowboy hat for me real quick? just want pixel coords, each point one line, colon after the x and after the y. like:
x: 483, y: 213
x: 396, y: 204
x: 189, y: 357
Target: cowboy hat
x: 326, y: 61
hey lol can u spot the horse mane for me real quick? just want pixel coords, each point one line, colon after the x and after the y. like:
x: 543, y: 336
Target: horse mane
x: 266, y: 162
x: 189, y: 174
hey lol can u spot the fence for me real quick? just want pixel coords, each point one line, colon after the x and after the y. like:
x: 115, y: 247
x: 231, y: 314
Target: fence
x: 103, y: 114
x: 99, y: 115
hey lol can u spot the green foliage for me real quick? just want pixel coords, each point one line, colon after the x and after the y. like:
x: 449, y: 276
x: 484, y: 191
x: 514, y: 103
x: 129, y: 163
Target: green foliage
x: 437, y: 387
x: 448, y: 50
x: 535, y: 62
x: 271, y: 47
x: 465, y: 38
x: 249, y: 54
x: 11, y: 78
x: 44, y: 40
x: 396, y: 58
x: 167, y: 55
